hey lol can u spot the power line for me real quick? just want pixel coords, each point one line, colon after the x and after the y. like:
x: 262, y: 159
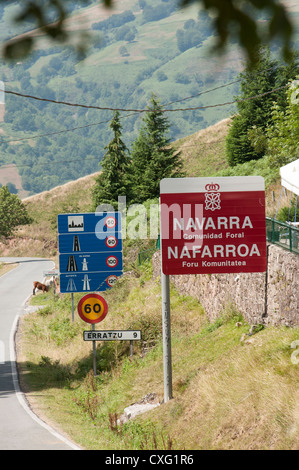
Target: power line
x: 55, y: 132
x: 53, y: 162
x: 204, y: 92
x: 128, y: 115
x: 105, y: 108
x: 106, y: 121
x: 114, y: 109
x: 134, y: 111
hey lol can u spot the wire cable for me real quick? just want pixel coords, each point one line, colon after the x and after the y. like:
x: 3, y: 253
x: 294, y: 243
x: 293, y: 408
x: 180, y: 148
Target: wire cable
x: 132, y: 110
x: 106, y: 108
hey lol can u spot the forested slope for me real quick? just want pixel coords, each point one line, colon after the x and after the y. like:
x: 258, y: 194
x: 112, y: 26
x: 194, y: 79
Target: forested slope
x: 138, y: 50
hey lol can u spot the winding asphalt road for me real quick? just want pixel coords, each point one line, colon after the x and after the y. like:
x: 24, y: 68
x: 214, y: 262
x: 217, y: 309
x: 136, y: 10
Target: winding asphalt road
x: 20, y: 428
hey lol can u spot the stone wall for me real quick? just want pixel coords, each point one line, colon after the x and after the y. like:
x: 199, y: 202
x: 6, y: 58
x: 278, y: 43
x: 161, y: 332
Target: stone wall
x: 275, y: 302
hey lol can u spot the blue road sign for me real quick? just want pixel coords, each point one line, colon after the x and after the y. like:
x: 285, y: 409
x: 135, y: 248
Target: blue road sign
x: 93, y: 222
x: 89, y: 243
x: 90, y: 251
x: 90, y: 262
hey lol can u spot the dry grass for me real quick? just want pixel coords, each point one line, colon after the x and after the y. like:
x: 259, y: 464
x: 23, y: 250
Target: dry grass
x: 40, y: 238
x: 246, y: 399
x: 228, y: 394
x: 59, y: 193
x: 276, y: 198
x: 204, y: 152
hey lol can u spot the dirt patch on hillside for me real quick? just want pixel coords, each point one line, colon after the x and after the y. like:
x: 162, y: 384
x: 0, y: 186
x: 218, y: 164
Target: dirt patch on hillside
x: 83, y: 21
x: 10, y: 174
x: 87, y: 17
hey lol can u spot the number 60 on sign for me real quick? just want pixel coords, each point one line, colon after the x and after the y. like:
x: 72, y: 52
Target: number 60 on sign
x: 92, y: 308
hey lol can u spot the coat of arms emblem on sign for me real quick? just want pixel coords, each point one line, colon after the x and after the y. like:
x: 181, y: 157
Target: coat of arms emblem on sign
x: 212, y: 197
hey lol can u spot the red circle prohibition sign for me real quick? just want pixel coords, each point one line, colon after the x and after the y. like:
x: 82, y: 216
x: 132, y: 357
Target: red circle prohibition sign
x: 110, y: 221
x: 92, y: 308
x: 111, y: 241
x: 112, y: 261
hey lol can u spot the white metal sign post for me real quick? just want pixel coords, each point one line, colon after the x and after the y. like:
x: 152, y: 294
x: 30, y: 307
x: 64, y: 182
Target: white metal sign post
x: 166, y: 337
x: 93, y: 308
x: 166, y: 330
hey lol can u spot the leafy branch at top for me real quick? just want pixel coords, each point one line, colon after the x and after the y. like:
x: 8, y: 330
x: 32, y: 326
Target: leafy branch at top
x: 231, y: 20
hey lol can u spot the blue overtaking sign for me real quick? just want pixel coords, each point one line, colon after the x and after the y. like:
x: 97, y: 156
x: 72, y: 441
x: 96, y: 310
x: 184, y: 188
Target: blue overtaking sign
x: 90, y: 251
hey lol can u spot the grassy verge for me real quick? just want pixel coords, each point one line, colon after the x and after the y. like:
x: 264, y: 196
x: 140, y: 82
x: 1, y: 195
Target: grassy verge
x: 228, y: 393
x: 5, y: 267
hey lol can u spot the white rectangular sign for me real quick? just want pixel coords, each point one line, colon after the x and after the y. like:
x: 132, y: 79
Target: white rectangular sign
x: 112, y: 335
x: 52, y: 272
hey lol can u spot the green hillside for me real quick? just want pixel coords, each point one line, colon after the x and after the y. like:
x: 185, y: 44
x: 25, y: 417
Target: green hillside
x: 135, y: 49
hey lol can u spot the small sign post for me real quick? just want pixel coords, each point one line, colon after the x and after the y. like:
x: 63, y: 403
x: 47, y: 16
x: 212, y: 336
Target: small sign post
x: 93, y: 308
x: 208, y: 226
x: 90, y: 252
x: 53, y: 273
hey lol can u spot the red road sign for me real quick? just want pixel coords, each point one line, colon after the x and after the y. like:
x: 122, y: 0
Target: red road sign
x: 111, y: 280
x: 213, y: 225
x: 92, y: 308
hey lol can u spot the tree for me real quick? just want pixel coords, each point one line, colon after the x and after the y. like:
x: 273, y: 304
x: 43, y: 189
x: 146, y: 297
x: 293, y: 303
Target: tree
x: 261, y: 79
x: 238, y: 146
x: 123, y: 51
x: 281, y: 139
x: 230, y: 18
x: 283, y: 135
x: 112, y: 181
x: 190, y: 36
x: 12, y: 213
x: 12, y: 188
x: 152, y: 157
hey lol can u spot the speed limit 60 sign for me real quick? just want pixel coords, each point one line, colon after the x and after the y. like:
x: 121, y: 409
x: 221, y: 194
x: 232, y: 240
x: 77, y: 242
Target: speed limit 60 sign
x: 92, y: 308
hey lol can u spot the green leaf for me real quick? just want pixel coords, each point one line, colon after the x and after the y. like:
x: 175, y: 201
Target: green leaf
x: 18, y: 48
